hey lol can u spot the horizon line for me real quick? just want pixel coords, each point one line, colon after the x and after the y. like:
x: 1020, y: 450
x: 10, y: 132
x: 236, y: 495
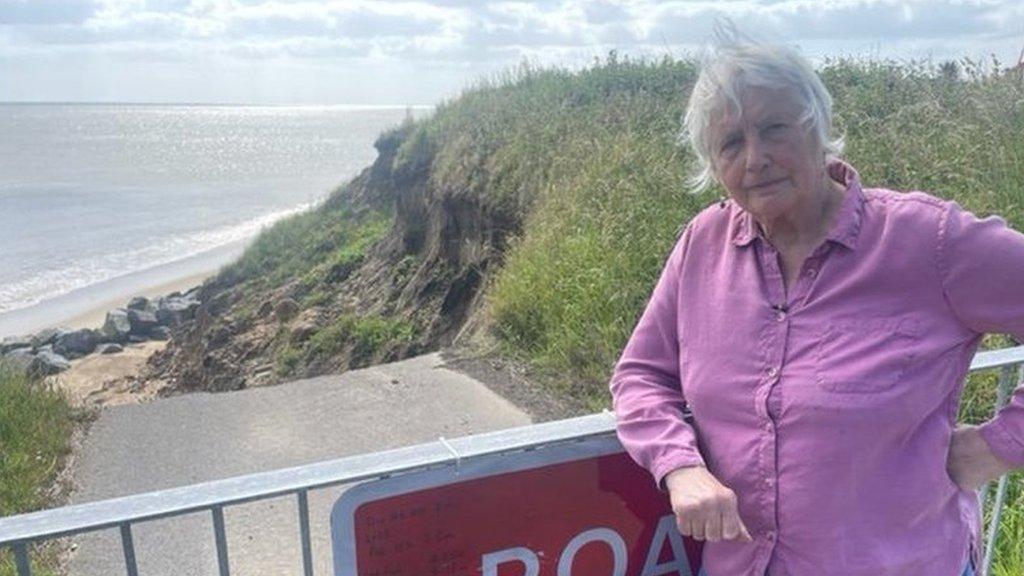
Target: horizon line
x: 224, y: 104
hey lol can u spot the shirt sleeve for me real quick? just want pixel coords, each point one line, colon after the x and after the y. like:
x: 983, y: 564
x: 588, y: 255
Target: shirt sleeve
x: 646, y: 391
x: 982, y: 266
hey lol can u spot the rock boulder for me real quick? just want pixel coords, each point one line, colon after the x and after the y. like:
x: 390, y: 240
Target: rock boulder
x: 117, y: 327
x: 46, y: 337
x: 286, y: 309
x: 48, y: 363
x: 19, y: 358
x: 11, y: 343
x: 76, y: 344
x: 173, y: 312
x: 142, y: 321
x: 139, y: 303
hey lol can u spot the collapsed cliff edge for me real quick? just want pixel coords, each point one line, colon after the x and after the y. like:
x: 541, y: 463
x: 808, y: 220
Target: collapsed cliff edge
x: 388, y: 267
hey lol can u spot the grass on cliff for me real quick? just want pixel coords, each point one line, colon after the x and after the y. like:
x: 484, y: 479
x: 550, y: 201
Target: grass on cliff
x: 35, y: 428
x: 319, y: 246
x: 367, y: 335
x: 318, y: 249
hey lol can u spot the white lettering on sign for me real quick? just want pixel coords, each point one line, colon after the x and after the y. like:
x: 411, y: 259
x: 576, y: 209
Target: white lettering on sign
x: 677, y: 565
x: 524, y: 556
x: 606, y: 535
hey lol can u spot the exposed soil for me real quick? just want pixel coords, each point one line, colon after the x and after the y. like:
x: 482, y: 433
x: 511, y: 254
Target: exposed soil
x: 110, y: 379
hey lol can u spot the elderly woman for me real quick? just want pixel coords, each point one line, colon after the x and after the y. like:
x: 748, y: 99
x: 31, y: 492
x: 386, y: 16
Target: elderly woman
x: 819, y: 333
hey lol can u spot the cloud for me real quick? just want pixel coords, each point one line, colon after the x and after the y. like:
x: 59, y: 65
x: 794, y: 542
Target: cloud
x: 606, y: 12
x: 351, y: 24
x: 455, y: 38
x: 34, y: 12
x: 945, y: 19
x: 795, y: 20
x: 462, y: 28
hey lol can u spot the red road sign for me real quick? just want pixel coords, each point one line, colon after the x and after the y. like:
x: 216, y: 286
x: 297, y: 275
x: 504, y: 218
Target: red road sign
x: 583, y: 509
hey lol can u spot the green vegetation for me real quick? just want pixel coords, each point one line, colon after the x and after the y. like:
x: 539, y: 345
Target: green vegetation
x: 320, y: 249
x: 35, y: 427
x: 368, y: 335
x: 320, y: 246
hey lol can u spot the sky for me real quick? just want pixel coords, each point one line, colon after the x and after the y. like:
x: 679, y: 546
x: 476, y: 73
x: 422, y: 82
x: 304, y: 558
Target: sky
x: 383, y: 52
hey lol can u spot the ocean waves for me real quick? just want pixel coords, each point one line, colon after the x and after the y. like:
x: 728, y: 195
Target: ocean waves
x: 50, y: 282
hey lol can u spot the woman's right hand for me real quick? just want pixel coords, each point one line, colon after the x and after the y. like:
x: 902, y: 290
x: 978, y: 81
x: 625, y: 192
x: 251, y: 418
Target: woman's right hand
x: 704, y: 508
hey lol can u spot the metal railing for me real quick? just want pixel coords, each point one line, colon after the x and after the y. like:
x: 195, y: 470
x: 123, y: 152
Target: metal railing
x: 19, y: 532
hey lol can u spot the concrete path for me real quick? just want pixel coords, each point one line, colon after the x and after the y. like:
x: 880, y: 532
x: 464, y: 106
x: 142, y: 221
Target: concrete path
x: 199, y: 437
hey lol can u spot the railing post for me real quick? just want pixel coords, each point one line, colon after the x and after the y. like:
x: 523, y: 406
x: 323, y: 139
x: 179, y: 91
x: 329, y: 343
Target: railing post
x: 1002, y: 392
x: 1007, y: 383
x: 220, y: 536
x: 307, y: 547
x: 128, y: 545
x: 21, y: 559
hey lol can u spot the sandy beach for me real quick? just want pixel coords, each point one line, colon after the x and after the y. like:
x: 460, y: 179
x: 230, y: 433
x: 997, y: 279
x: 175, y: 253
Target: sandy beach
x: 87, y: 307
x: 95, y: 317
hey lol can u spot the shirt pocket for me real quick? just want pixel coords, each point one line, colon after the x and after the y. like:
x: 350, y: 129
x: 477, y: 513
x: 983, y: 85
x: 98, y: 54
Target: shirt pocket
x: 865, y: 355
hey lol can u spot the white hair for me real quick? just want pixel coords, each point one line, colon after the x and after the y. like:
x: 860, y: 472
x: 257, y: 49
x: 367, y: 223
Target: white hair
x: 735, y: 63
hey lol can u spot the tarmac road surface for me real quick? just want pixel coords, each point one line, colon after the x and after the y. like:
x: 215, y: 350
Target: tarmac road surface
x: 199, y: 437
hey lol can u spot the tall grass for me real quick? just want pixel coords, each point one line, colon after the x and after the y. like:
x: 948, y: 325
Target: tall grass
x: 310, y: 246
x: 368, y: 336
x: 612, y: 193
x: 35, y: 427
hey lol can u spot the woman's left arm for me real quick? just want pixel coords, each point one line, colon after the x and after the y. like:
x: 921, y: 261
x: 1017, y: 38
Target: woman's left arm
x: 982, y: 267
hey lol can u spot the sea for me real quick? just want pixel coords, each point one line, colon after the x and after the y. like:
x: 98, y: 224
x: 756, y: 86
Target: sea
x: 98, y: 201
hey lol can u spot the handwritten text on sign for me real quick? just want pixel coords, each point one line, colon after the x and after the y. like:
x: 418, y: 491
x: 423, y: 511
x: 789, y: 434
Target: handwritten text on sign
x: 586, y: 517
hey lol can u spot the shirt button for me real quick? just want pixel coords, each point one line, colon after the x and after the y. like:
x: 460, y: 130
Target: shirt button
x: 780, y: 316
x: 812, y: 272
x: 772, y: 371
x: 770, y: 535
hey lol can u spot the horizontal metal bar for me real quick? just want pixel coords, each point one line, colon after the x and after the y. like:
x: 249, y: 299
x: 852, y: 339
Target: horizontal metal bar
x: 997, y: 358
x: 91, y: 516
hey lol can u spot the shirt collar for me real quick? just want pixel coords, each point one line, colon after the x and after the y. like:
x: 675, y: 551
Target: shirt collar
x: 846, y: 228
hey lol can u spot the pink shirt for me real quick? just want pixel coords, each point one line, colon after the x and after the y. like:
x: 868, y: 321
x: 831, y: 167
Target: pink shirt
x: 828, y: 410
